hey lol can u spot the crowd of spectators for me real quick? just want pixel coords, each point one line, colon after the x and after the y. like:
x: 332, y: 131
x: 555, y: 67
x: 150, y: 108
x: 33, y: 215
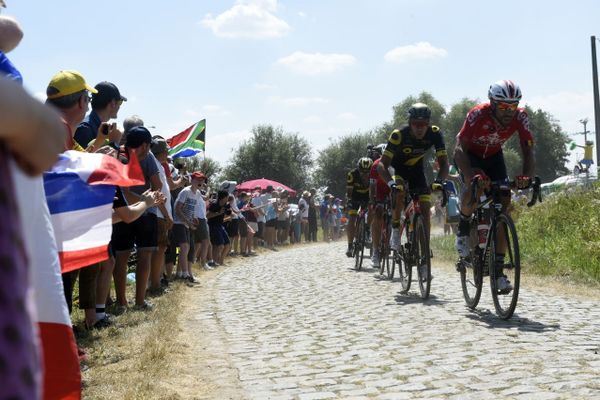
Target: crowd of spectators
x: 173, y: 225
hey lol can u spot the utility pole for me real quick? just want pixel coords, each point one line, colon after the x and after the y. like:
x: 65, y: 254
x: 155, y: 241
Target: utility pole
x: 596, y: 98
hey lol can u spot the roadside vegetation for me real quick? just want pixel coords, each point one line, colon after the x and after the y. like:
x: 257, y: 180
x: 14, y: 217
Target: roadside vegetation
x: 559, y: 237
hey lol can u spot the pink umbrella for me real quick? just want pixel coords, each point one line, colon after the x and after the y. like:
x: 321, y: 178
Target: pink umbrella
x: 263, y: 183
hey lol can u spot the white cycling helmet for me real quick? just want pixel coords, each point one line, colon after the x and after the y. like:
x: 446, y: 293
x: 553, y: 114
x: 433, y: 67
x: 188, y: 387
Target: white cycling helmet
x: 505, y: 91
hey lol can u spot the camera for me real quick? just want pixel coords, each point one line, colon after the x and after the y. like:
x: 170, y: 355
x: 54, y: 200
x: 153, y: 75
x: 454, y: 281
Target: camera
x: 105, y: 129
x: 227, y: 209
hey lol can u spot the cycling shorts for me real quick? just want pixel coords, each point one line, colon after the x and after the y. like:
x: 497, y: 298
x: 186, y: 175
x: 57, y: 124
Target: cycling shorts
x: 494, y: 167
x: 357, y: 203
x: 415, y: 177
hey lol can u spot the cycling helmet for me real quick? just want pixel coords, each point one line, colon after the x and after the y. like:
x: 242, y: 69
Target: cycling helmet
x: 419, y: 111
x: 380, y: 148
x: 365, y: 164
x: 505, y: 91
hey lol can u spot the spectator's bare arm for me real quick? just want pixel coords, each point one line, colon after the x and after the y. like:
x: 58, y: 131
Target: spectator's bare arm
x: 32, y: 131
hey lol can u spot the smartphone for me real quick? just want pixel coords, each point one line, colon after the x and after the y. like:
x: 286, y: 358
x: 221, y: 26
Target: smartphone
x: 105, y: 129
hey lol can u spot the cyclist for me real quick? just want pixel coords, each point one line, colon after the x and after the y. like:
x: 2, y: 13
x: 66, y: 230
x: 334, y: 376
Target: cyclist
x: 357, y: 192
x: 378, y: 196
x: 478, y: 156
x: 405, y: 151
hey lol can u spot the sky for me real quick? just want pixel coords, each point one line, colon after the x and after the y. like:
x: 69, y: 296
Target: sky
x: 322, y: 68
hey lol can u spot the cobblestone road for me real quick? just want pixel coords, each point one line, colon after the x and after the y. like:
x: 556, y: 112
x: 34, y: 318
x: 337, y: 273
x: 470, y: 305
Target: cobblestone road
x: 302, y: 324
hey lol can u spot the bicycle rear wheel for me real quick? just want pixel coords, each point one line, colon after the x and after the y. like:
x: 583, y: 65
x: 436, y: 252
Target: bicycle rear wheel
x: 422, y: 256
x: 505, y: 301
x: 471, y: 276
x: 385, y: 253
x: 359, y: 245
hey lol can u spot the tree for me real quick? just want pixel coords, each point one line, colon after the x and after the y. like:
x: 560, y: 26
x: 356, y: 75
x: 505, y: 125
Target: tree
x: 336, y: 160
x: 273, y: 154
x: 453, y: 122
x: 400, y: 117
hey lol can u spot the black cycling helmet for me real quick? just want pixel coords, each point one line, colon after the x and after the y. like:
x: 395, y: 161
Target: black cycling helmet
x: 419, y: 111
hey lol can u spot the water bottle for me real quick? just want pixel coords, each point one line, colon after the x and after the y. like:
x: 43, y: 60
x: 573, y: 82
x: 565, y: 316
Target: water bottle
x: 483, y: 224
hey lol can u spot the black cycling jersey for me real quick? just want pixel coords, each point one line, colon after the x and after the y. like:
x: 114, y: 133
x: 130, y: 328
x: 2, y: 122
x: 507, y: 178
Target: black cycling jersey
x: 406, y: 151
x: 358, y: 185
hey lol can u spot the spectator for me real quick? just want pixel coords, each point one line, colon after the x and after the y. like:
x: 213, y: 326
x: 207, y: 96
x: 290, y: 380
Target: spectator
x: 232, y: 226
x: 249, y: 214
x: 186, y: 211
x: 283, y: 218
x: 164, y: 221
x: 270, y: 198
x: 324, y: 213
x: 259, y: 203
x: 303, y: 206
x: 143, y: 231
x: 217, y: 209
x: 312, y: 216
x: 201, y: 234
x: 105, y: 105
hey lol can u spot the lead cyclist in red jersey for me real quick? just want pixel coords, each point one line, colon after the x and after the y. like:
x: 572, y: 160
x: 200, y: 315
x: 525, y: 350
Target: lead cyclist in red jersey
x: 478, y: 153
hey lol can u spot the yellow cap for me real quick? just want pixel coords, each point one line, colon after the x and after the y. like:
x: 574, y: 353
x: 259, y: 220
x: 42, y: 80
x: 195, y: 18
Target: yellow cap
x: 65, y: 83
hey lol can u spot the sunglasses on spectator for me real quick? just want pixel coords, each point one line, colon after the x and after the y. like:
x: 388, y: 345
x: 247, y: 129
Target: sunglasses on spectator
x: 119, y: 102
x: 419, y: 124
x: 507, y: 106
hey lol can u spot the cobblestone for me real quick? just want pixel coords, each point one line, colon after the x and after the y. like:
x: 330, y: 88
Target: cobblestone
x: 302, y: 324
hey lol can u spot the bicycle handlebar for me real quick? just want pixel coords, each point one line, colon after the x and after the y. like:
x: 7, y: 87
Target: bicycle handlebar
x: 535, y: 184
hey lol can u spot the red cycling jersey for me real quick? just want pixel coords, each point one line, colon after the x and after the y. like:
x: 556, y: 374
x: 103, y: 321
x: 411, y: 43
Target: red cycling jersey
x: 483, y: 136
x: 382, y: 189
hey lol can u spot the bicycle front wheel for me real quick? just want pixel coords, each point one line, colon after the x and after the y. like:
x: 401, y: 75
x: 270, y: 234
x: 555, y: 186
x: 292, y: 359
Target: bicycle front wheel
x: 359, y: 245
x: 422, y: 256
x: 505, y: 300
x: 471, y: 275
x: 402, y: 258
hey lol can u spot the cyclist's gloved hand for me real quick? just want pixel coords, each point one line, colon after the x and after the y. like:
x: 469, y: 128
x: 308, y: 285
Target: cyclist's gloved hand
x: 522, y: 181
x: 392, y: 184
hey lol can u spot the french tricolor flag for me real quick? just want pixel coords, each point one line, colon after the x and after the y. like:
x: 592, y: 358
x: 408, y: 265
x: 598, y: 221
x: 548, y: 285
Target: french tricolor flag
x: 80, y: 189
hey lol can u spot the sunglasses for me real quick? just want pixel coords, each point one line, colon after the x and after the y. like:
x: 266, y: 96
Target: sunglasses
x: 420, y: 124
x: 507, y: 106
x: 119, y: 102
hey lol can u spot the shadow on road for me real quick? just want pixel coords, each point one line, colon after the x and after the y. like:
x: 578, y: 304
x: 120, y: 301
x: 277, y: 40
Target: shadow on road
x: 520, y: 323
x: 413, y: 298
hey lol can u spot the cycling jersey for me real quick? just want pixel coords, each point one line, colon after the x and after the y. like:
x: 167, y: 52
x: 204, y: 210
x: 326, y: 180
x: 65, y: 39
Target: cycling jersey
x: 483, y: 136
x: 382, y: 189
x: 406, y: 151
x: 358, y: 185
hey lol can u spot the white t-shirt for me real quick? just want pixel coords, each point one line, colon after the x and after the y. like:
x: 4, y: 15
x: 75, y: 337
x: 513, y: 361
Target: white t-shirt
x: 201, y: 208
x: 257, y: 202
x: 303, y: 203
x: 190, y: 201
x: 164, y: 190
x: 236, y: 211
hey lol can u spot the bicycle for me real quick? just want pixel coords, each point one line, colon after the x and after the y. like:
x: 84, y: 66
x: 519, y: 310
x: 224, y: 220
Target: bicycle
x: 358, y: 245
x: 384, y: 245
x: 483, y: 242
x: 414, y: 248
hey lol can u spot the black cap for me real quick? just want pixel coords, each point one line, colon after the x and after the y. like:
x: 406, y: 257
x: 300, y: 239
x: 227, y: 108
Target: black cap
x: 138, y: 136
x: 107, y: 91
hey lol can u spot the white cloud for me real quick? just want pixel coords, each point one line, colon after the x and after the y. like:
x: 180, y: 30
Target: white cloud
x: 414, y: 52
x: 252, y: 19
x: 312, y: 119
x: 297, y: 101
x: 347, y: 116
x: 316, y: 63
x: 302, y: 14
x: 264, y: 86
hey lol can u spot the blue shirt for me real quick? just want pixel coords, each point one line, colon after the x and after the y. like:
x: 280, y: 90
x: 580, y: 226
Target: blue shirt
x: 8, y: 69
x: 87, y: 130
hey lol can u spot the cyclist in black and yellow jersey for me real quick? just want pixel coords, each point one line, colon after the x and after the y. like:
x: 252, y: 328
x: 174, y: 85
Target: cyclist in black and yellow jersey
x: 405, y: 151
x: 357, y: 195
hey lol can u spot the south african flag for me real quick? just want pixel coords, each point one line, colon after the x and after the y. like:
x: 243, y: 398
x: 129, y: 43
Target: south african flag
x: 189, y: 142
